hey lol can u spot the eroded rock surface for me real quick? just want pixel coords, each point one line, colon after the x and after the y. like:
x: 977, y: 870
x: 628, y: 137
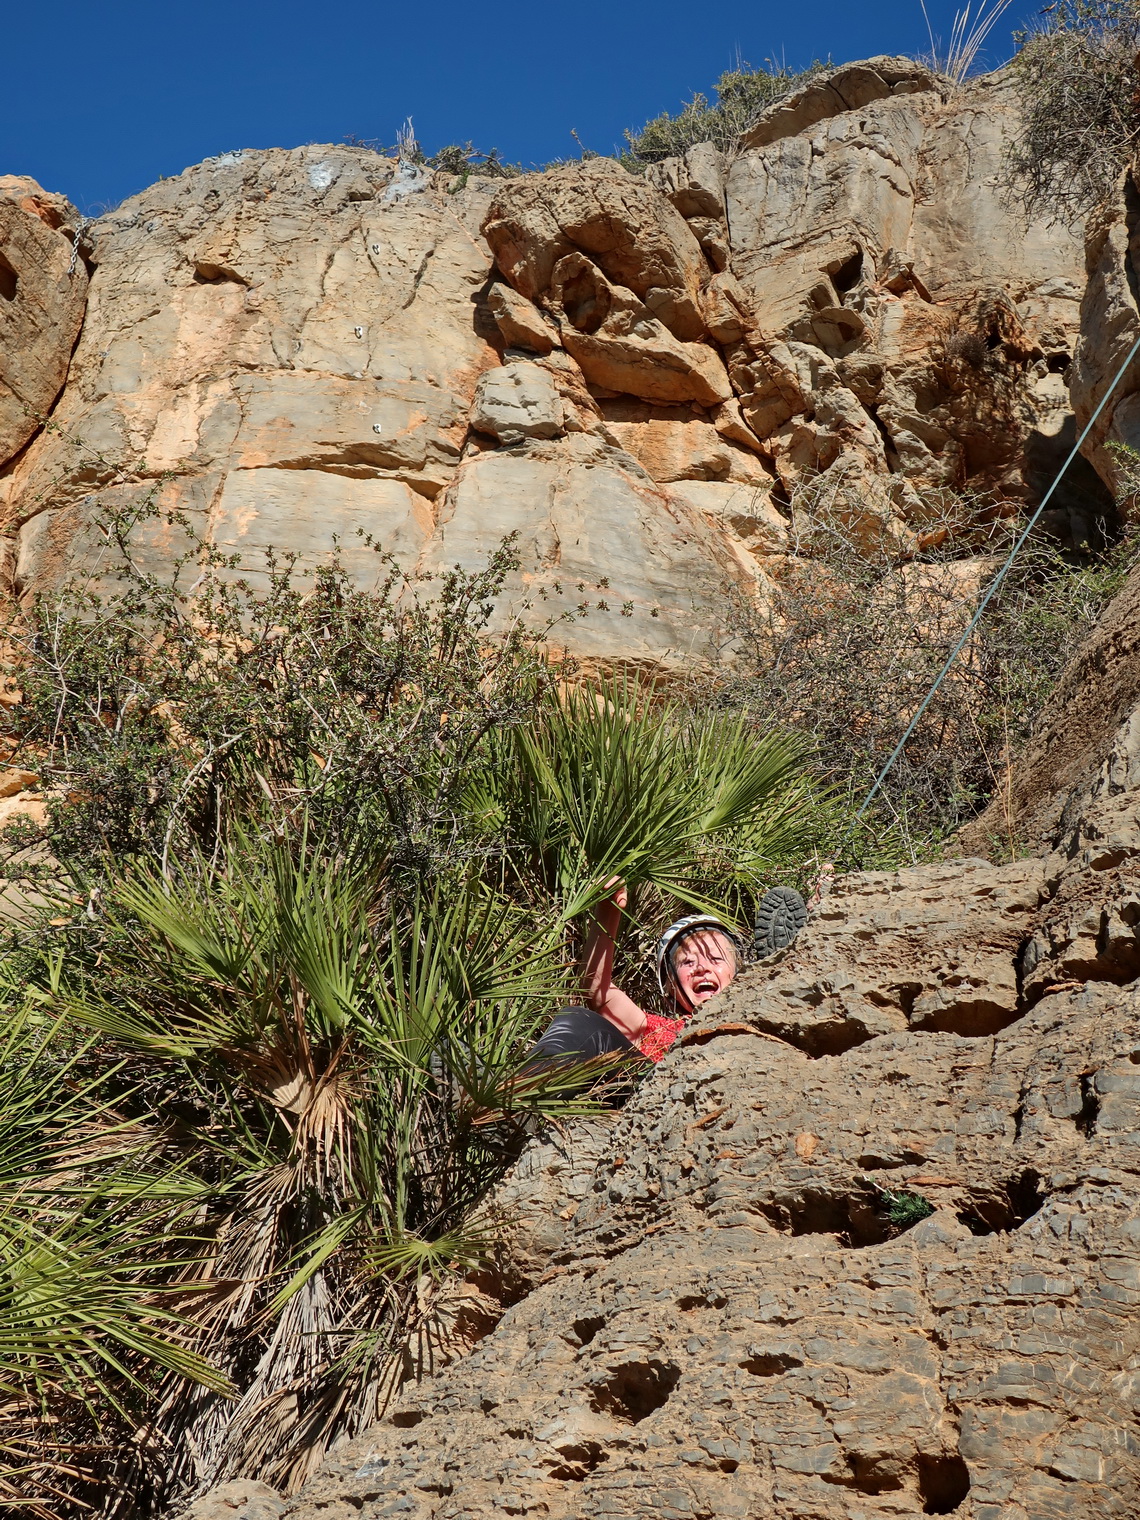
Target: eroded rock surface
x: 1110, y: 325
x: 933, y: 948
x: 888, y: 326
x: 241, y: 1499
x: 739, y: 1317
x: 1086, y: 746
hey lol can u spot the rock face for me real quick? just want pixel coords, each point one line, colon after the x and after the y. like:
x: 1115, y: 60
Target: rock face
x: 1086, y: 746
x: 299, y: 359
x: 42, y: 296
x: 867, y: 1241
x: 1110, y: 325
x: 240, y: 1500
x: 641, y: 377
x: 741, y: 1317
x: 1085, y: 753
x: 886, y: 327
x: 876, y: 234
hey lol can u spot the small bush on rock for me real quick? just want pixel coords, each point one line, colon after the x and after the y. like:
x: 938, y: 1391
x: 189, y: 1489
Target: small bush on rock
x: 465, y: 159
x: 905, y: 1209
x: 742, y: 94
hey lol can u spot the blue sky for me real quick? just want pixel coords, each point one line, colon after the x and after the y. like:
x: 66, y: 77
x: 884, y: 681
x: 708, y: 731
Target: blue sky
x: 102, y: 98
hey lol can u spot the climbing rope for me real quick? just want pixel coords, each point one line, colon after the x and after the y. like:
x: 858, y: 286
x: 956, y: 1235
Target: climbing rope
x: 83, y: 223
x: 995, y: 583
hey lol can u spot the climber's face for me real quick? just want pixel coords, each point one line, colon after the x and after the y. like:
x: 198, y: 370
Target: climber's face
x: 703, y: 965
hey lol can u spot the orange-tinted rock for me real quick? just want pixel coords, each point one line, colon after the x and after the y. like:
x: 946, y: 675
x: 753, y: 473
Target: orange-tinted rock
x: 42, y: 297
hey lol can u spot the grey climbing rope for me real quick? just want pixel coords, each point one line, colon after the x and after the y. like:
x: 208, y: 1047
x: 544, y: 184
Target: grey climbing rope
x: 996, y: 582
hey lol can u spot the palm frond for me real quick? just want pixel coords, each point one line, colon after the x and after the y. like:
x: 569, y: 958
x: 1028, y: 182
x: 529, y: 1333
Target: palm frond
x: 359, y: 1044
x: 614, y: 782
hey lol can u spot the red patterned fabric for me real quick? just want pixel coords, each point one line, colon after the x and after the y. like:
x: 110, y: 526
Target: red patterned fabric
x: 659, y: 1035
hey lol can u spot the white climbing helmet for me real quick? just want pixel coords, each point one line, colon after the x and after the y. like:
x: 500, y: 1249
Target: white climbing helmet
x: 693, y: 923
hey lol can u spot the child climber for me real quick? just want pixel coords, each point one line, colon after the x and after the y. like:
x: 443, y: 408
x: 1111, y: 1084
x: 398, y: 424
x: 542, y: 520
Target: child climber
x: 696, y: 957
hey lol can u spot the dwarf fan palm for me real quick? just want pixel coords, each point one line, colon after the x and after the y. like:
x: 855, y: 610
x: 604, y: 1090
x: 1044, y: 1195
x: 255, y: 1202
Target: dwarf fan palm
x: 610, y: 783
x: 353, y: 1046
x: 91, y: 1229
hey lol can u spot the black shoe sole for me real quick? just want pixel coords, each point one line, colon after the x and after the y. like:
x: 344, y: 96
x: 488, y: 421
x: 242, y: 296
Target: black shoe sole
x: 780, y: 915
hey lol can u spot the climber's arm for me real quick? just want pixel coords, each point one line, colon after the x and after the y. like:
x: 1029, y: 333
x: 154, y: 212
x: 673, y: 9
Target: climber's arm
x: 597, y: 970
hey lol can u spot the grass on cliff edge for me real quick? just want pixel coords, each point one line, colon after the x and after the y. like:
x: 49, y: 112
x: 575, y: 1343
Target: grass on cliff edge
x: 742, y: 95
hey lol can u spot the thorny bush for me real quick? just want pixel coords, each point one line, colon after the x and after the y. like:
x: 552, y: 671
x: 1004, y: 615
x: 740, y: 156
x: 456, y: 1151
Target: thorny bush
x: 1079, y: 85
x: 858, y: 630
x: 152, y: 716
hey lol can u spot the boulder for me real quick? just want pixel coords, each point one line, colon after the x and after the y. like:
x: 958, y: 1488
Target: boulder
x: 241, y: 1499
x: 519, y: 321
x: 518, y: 401
x: 634, y: 235
x: 682, y: 442
x: 694, y: 181
x: 851, y: 87
x: 622, y: 347
x: 55, y: 211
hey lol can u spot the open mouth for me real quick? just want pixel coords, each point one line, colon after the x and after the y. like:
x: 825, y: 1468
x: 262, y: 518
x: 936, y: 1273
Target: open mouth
x: 706, y: 986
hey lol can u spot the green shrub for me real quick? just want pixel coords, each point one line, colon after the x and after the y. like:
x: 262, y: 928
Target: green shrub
x: 317, y: 859
x: 465, y: 159
x: 153, y: 716
x: 905, y: 1209
x: 604, y: 784
x: 334, y: 1060
x: 95, y: 1234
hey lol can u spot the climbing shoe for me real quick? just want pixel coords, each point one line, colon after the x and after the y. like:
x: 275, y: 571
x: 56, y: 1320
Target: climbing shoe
x: 780, y: 915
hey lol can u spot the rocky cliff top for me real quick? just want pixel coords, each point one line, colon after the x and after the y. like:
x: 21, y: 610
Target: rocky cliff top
x: 638, y: 376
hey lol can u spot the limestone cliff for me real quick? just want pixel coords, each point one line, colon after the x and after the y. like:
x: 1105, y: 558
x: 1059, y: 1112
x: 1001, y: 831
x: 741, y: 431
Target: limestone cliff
x: 633, y: 374
x: 730, y: 1322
